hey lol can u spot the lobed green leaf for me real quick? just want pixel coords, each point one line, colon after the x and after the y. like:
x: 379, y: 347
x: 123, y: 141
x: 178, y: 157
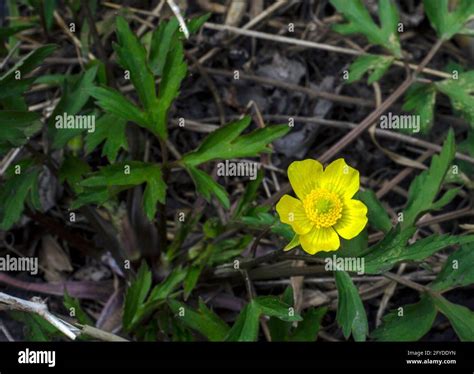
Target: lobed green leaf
x: 351, y: 314
x: 407, y: 323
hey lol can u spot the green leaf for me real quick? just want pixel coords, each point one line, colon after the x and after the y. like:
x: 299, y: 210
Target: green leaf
x: 6, y: 32
x: 162, y: 40
x: 227, y: 250
x: 174, y: 72
x: 17, y: 103
x: 351, y: 314
x: 207, y: 187
x: 460, y: 91
x: 225, y: 143
x: 133, y: 57
x: 384, y: 258
x: 136, y: 295
x: 155, y: 191
x: 133, y: 173
x: 73, y: 305
x: 457, y: 271
x: 127, y: 173
x: 115, y: 103
x: 376, y: 66
x: 414, y: 321
x: 447, y: 21
x: 167, y: 59
x: 245, y: 328
x: 13, y: 118
x: 206, y: 322
x: 447, y: 197
x: 164, y: 289
x: 378, y: 217
x: 250, y: 193
x: 96, y: 195
x: 166, y: 36
x: 293, y: 243
x: 307, y: 330
x: 13, y: 195
x: 260, y: 218
x: 72, y: 171
x: 111, y: 130
x: 9, y: 85
x: 420, y: 99
x: 274, y: 307
x: 279, y: 329
x: 461, y: 318
x: 424, y: 188
x: 73, y: 100
x: 76, y: 95
x: 16, y: 127
x: 431, y: 244
x: 158, y: 295
x: 393, y: 242
x: 355, y: 247
x: 48, y: 12
x: 361, y: 22
x: 52, y: 80
x: 191, y: 279
x: 196, y: 23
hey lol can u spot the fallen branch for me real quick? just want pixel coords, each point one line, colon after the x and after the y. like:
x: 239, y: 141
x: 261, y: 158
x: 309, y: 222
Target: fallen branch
x: 13, y: 303
x: 39, y: 308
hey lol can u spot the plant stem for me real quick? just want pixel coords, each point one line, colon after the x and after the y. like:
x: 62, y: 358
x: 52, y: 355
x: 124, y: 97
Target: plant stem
x: 408, y: 283
x: 162, y: 234
x: 99, y: 334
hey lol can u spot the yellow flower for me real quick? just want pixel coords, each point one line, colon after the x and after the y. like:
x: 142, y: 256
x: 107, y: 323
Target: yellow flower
x: 324, y: 209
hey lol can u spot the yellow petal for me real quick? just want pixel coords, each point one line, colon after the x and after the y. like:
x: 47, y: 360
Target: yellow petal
x: 291, y: 211
x: 353, y: 220
x: 304, y: 176
x: 322, y: 239
x: 340, y: 178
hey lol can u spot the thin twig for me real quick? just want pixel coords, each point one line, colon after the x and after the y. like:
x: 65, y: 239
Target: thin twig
x: 407, y: 282
x: 9, y: 55
x: 311, y: 92
x: 380, y: 132
x: 253, y: 22
x: 310, y: 44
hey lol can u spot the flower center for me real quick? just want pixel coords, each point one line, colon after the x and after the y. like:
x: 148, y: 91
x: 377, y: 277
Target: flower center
x: 323, y: 207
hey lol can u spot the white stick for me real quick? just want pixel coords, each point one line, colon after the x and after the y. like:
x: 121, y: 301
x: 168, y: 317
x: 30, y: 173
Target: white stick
x: 180, y: 18
x: 14, y: 303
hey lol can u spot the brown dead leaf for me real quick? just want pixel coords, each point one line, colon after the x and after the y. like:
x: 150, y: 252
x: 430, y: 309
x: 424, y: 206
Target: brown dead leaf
x: 53, y: 259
